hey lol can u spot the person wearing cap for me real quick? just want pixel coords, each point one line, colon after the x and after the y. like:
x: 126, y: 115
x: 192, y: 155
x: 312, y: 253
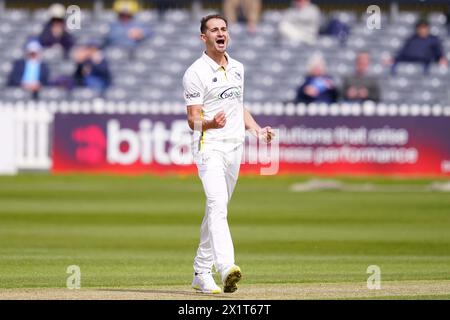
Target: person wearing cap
x: 92, y: 68
x: 422, y: 47
x: 30, y: 72
x: 55, y: 31
x: 126, y: 32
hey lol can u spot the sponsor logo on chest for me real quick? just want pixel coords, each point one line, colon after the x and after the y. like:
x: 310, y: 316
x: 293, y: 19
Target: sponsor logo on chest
x: 233, y: 92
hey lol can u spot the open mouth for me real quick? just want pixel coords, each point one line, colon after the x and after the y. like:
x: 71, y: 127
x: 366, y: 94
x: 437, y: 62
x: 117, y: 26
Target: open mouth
x: 220, y: 42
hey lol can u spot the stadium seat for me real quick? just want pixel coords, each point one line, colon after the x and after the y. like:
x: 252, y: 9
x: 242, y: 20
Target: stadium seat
x: 347, y: 17
x: 127, y: 81
x: 82, y: 94
x: 147, y: 16
x: 39, y: 16
x: 437, y: 18
x: 17, y: 16
x: 106, y: 16
x: 49, y: 93
x: 14, y: 94
x: 440, y: 71
x: 391, y: 96
x: 121, y: 94
x: 407, y: 17
x: 117, y: 55
x: 409, y: 69
x: 272, y: 16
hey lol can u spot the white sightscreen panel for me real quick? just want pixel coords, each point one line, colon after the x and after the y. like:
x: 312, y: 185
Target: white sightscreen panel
x: 7, y: 141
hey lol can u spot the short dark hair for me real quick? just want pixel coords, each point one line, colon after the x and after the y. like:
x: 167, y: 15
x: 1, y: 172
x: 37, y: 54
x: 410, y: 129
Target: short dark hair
x: 204, y: 20
x: 422, y: 22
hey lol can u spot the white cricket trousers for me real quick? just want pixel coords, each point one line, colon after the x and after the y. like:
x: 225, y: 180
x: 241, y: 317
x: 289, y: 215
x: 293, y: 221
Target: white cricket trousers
x: 218, y: 171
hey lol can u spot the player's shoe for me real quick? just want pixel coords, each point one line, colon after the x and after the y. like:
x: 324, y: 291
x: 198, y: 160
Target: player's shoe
x: 230, y: 278
x: 204, y: 282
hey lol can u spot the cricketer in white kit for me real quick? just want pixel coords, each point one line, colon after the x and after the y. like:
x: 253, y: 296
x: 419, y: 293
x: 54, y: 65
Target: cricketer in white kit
x: 214, y: 90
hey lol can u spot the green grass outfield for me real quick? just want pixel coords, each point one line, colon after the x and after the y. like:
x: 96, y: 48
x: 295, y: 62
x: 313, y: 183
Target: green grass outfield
x: 142, y: 232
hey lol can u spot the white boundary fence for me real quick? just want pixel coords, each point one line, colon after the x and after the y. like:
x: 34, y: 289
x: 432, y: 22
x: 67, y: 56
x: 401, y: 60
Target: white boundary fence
x: 32, y: 145
x: 34, y: 120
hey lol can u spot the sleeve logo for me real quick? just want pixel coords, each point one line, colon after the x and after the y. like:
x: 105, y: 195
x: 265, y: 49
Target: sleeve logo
x: 192, y: 95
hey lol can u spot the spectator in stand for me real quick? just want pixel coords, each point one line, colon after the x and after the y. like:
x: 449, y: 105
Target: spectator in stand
x: 336, y: 28
x: 92, y: 68
x: 422, y: 47
x: 30, y: 72
x: 248, y: 10
x: 55, y: 31
x: 301, y: 23
x: 360, y: 86
x: 318, y: 86
x: 126, y: 32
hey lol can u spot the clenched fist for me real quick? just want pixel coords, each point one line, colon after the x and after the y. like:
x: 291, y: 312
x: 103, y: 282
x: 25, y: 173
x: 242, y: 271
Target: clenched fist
x: 266, y: 134
x: 219, y: 120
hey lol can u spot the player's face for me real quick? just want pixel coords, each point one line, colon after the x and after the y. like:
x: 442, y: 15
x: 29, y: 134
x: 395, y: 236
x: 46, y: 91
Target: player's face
x: 216, y: 37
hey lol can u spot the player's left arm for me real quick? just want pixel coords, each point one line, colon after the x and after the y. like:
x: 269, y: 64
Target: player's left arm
x: 250, y: 124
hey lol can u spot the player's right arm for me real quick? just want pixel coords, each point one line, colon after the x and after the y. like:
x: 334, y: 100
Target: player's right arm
x: 197, y: 123
x: 194, y: 97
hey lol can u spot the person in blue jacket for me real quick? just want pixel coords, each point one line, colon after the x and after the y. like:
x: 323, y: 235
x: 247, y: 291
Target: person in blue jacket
x: 318, y: 86
x: 30, y: 72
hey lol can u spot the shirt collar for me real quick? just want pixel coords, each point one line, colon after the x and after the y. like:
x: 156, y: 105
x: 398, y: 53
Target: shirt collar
x: 214, y: 64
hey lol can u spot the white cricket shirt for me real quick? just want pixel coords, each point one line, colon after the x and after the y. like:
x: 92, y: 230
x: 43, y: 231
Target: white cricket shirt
x: 217, y: 89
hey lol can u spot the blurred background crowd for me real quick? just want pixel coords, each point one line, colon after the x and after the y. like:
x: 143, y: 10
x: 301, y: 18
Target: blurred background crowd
x: 293, y: 51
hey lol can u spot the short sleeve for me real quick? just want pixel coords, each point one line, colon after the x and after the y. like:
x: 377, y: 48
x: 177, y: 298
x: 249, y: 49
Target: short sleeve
x: 193, y: 89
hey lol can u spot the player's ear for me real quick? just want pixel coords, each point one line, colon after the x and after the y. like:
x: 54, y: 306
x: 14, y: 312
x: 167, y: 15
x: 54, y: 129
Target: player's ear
x: 203, y: 37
